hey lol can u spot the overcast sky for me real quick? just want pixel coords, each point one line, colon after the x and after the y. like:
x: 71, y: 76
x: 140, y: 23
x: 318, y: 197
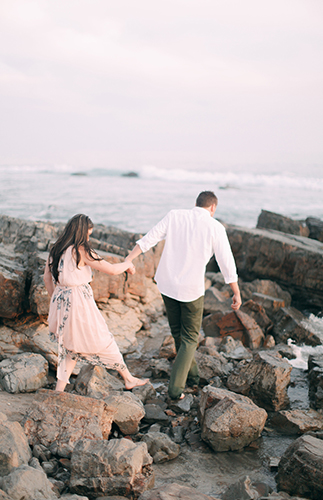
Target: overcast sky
x: 93, y: 82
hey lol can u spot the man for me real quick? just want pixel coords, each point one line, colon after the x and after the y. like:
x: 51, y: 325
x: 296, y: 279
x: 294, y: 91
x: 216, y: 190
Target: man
x: 191, y: 237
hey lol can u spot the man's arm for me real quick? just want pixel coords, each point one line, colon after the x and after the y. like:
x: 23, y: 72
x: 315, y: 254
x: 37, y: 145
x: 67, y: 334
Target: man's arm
x: 156, y: 234
x: 134, y: 253
x: 236, y: 299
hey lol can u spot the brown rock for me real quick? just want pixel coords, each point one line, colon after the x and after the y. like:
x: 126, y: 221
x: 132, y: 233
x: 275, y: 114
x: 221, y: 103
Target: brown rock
x: 258, y: 313
x: 270, y: 220
x: 291, y: 323
x: 174, y: 491
x: 297, y: 421
x: 12, y: 283
x: 270, y: 304
x: 14, y: 448
x: 168, y: 349
x: 65, y: 418
x: 253, y: 332
x: 215, y: 301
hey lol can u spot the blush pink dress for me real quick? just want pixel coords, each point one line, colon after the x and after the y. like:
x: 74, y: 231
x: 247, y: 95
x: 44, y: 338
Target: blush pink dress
x: 76, y: 322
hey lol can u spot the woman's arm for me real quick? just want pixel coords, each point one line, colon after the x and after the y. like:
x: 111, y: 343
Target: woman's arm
x: 48, y: 280
x: 106, y: 267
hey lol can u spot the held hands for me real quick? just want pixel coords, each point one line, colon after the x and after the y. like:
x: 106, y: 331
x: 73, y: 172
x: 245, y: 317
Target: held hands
x: 131, y: 269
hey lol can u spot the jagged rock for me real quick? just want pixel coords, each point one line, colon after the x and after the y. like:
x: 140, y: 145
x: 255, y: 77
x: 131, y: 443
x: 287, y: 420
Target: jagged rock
x: 216, y: 301
x: 168, y: 349
x: 130, y: 411
x: 115, y: 467
x: 181, y: 405
x: 174, y: 491
x: 234, y: 349
x: 269, y: 303
x: 25, y: 372
x: 269, y: 342
x: 4, y: 496
x: 315, y: 377
x: 265, y: 380
x: 210, y: 366
x: 144, y: 392
x: 297, y: 421
x: 161, y: 447
x: 27, y: 483
x: 264, y: 287
x: 65, y: 418
x: 229, y: 421
x: 13, y: 277
x: 155, y: 414
x: 242, y: 490
x: 258, y: 313
x: 291, y: 323
x: 315, y: 227
x: 14, y: 448
x: 161, y: 368
x: 96, y: 382
x: 293, y: 261
x: 237, y: 324
x: 300, y: 470
x: 270, y: 220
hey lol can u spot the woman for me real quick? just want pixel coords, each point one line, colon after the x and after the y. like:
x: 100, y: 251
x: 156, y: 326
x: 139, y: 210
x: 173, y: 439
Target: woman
x: 74, y: 319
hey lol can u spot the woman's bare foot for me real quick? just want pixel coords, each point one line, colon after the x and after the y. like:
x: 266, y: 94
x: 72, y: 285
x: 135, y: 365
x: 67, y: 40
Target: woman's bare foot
x: 135, y: 382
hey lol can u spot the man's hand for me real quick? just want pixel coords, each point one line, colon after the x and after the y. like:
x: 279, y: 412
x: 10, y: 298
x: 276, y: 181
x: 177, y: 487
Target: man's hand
x: 236, y: 302
x: 131, y: 269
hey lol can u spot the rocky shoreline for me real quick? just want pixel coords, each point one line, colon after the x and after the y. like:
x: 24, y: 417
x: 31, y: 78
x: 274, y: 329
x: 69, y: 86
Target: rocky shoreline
x: 99, y: 441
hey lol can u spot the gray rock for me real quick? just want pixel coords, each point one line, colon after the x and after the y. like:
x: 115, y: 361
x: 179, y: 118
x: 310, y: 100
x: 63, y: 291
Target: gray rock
x: 28, y: 483
x: 216, y: 302
x: 315, y: 227
x: 265, y: 379
x: 242, y: 489
x: 154, y: 414
x: 297, y: 421
x: 182, y: 405
x: 270, y: 220
x: 315, y: 377
x: 130, y: 411
x: 229, y: 421
x: 144, y: 392
x: 291, y: 323
x: 62, y: 419
x: 69, y: 496
x: 115, y: 467
x: 300, y: 470
x: 234, y: 349
x: 14, y: 448
x: 161, y: 447
x: 210, y: 366
x: 25, y: 372
x: 96, y: 382
x: 161, y: 368
x: 13, y: 275
x: 4, y: 496
x: 174, y: 491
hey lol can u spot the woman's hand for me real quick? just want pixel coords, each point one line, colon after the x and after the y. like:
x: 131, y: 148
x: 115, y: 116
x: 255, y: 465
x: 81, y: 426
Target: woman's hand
x: 131, y: 269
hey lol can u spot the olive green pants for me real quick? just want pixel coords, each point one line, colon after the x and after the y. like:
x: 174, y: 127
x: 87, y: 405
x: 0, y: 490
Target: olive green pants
x: 185, y: 320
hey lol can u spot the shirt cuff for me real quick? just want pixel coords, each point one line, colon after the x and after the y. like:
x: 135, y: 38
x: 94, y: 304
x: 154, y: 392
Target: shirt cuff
x: 231, y: 279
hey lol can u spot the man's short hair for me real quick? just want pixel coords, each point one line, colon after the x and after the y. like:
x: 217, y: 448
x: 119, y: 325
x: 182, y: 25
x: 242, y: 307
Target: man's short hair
x: 206, y: 199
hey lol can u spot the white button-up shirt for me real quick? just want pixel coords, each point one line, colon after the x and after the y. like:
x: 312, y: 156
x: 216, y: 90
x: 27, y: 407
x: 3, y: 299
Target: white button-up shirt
x: 192, y: 237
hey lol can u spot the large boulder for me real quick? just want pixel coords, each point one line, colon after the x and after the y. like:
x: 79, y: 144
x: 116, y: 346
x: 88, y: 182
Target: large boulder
x: 265, y: 380
x: 300, y: 470
x: 292, y: 261
x: 115, y: 467
x: 315, y: 227
x: 229, y: 421
x: 297, y: 421
x: 25, y: 372
x: 65, y: 419
x: 289, y: 323
x: 210, y: 366
x: 270, y: 220
x: 14, y: 447
x: 13, y: 275
x: 174, y: 491
x: 27, y: 483
x: 96, y: 382
x: 130, y: 411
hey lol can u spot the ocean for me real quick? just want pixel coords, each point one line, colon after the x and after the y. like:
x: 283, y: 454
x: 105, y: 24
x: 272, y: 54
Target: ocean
x: 136, y: 202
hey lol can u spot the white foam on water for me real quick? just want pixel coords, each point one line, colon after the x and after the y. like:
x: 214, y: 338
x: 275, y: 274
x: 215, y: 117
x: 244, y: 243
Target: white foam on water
x: 302, y: 352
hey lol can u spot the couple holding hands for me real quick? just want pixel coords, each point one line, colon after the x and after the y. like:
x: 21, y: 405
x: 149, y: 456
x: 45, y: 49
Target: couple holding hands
x: 191, y: 238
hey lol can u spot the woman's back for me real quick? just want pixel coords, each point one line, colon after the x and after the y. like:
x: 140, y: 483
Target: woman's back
x: 69, y: 273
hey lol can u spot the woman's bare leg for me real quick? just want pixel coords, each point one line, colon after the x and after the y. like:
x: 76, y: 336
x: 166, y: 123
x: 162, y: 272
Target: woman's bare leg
x: 67, y: 367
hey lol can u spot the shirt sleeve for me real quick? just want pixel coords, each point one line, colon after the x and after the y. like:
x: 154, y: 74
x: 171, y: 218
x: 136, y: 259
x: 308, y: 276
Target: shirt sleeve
x: 156, y: 234
x: 223, y: 254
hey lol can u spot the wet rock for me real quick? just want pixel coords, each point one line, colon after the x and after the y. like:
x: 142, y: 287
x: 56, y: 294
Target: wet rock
x: 25, y: 372
x: 27, y: 483
x: 14, y: 448
x: 216, y: 301
x: 64, y: 418
x: 229, y: 421
x: 154, y: 414
x: 234, y: 349
x: 297, y: 421
x: 174, y: 491
x: 270, y: 220
x: 161, y: 447
x: 182, y: 405
x: 265, y: 380
x: 115, y: 467
x: 315, y: 227
x: 300, y: 470
x: 291, y: 323
x: 293, y: 261
x: 130, y: 411
x: 168, y: 349
x: 315, y: 377
x: 242, y: 489
x: 96, y: 382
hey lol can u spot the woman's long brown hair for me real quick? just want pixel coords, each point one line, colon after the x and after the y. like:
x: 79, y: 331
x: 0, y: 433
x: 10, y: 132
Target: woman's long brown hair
x: 75, y: 234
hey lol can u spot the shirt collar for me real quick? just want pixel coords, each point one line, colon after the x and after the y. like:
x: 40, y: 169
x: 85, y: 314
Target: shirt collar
x: 202, y: 211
